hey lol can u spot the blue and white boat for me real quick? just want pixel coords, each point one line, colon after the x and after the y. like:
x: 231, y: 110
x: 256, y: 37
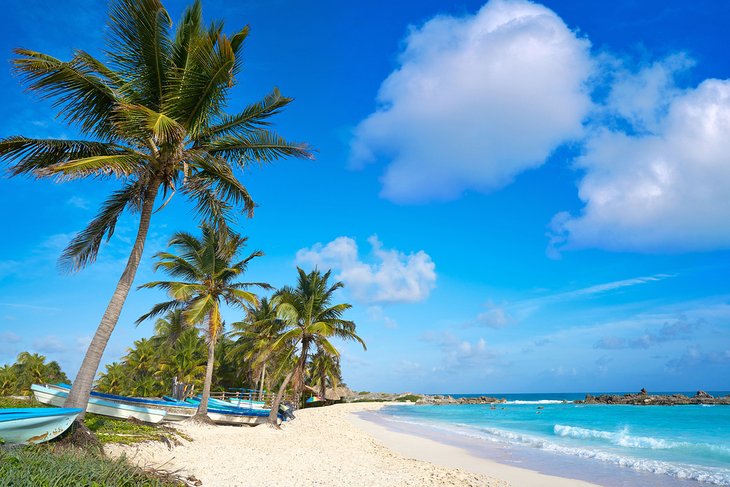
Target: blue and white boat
x: 34, y: 425
x: 57, y: 396
x: 233, y: 415
x: 176, y: 410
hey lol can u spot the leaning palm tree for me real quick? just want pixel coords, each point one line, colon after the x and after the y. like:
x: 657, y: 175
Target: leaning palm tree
x: 208, y: 273
x: 311, y: 320
x: 152, y: 118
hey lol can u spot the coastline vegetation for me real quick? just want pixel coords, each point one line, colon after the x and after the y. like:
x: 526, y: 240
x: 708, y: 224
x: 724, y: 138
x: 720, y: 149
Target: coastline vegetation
x: 152, y: 117
x: 45, y: 466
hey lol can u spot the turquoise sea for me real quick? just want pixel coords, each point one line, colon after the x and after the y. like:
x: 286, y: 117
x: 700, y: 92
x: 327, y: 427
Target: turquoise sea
x: 609, y: 445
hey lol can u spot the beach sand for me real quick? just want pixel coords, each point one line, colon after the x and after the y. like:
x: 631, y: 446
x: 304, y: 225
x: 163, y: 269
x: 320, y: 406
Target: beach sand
x: 326, y: 447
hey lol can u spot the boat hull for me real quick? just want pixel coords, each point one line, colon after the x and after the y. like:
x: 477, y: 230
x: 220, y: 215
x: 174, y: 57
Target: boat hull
x: 57, y: 397
x: 236, y: 419
x: 20, y: 427
x: 175, y: 411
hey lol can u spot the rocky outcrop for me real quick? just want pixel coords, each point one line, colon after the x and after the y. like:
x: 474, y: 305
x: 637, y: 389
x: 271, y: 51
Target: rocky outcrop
x: 420, y: 398
x: 645, y: 399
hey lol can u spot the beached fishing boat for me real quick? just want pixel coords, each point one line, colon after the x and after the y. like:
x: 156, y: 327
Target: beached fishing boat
x: 34, y: 425
x: 57, y: 396
x: 176, y: 410
x: 232, y: 414
x: 245, y: 403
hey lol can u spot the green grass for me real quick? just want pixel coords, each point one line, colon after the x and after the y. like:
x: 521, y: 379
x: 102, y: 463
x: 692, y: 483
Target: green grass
x: 42, y: 466
x: 9, y: 402
x: 362, y: 393
x: 408, y: 397
x: 129, y: 432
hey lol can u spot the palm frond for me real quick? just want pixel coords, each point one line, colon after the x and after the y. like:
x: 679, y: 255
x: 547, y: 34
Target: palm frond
x: 34, y: 156
x: 84, y: 247
x: 80, y: 94
x: 260, y: 146
x: 140, y: 47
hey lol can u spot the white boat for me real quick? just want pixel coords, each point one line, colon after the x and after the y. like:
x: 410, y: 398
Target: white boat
x: 176, y: 411
x: 57, y: 397
x: 246, y: 403
x: 34, y: 425
x: 224, y: 417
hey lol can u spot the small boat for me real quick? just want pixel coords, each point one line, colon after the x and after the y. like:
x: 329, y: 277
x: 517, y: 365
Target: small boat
x: 246, y: 403
x: 232, y: 414
x: 176, y: 410
x: 34, y: 425
x: 57, y: 396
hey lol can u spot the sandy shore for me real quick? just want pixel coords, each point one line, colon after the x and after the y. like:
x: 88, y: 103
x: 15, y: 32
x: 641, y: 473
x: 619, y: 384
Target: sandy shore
x: 327, y: 447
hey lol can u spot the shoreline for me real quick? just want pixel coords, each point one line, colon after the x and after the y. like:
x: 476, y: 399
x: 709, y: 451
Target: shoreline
x: 328, y: 446
x: 440, y: 453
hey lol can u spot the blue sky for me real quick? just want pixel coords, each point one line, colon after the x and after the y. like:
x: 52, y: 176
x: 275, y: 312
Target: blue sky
x: 520, y: 197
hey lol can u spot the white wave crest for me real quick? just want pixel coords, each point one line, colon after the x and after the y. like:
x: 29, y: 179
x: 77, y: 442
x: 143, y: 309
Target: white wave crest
x: 541, y: 401
x: 620, y: 438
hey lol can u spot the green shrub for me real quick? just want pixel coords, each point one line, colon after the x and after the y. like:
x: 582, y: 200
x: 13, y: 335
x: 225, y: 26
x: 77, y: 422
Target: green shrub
x: 362, y: 393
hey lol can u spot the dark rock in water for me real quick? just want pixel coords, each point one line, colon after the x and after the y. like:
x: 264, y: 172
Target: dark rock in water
x: 644, y: 399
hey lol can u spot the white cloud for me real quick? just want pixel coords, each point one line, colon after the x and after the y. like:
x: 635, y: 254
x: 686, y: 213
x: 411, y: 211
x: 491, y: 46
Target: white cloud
x: 494, y: 316
x: 10, y: 337
x: 393, y: 276
x: 49, y: 344
x: 662, y: 191
x: 78, y: 202
x: 475, y: 101
x: 377, y: 313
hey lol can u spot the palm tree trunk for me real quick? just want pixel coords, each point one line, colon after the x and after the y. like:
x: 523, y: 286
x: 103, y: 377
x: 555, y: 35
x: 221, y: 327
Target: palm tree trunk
x: 261, y: 384
x: 273, y: 415
x: 79, y: 395
x: 203, y: 407
x: 323, y: 387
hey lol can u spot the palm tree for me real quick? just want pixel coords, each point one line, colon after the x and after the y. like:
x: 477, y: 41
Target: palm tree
x: 169, y: 328
x: 151, y: 117
x: 324, y: 369
x: 209, y: 275
x: 8, y: 380
x: 115, y: 380
x: 255, y: 335
x: 311, y: 320
x: 186, y: 361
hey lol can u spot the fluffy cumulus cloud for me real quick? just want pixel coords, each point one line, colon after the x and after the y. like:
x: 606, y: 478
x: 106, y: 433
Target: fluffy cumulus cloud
x: 661, y: 186
x: 392, y: 276
x: 475, y: 101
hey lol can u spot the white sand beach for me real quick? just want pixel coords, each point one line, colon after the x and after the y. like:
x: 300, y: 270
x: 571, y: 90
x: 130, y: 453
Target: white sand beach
x: 328, y: 447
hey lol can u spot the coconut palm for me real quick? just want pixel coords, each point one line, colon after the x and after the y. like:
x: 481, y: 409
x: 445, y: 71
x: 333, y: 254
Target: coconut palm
x: 115, y: 380
x: 152, y: 118
x: 209, y: 276
x: 169, y: 328
x: 8, y: 380
x: 311, y: 320
x: 324, y: 370
x: 186, y: 360
x: 254, y: 338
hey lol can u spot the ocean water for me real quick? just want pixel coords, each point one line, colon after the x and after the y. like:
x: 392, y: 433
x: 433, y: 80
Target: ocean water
x: 610, y: 445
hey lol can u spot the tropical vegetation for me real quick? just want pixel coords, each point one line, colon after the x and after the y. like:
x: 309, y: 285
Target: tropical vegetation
x: 311, y: 320
x: 208, y: 273
x: 151, y: 117
x: 29, y: 368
